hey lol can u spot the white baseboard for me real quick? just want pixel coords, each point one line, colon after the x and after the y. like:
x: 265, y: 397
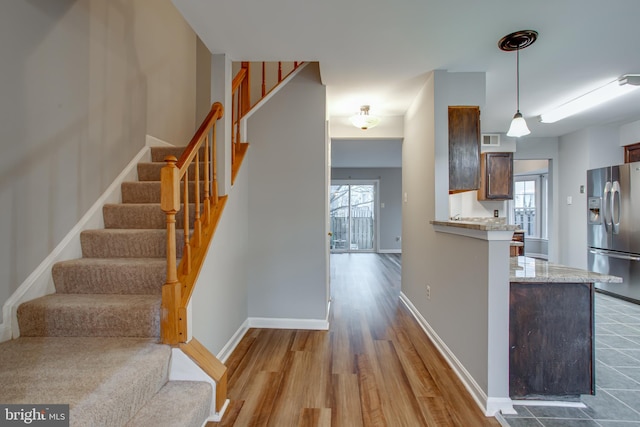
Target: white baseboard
x: 557, y: 403
x: 490, y: 406
x: 40, y: 282
x: 223, y: 355
x: 390, y: 251
x: 182, y: 368
x: 275, y: 323
x: 152, y: 141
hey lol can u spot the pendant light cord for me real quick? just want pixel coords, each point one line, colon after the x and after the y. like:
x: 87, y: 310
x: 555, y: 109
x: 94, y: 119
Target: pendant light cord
x: 518, y: 79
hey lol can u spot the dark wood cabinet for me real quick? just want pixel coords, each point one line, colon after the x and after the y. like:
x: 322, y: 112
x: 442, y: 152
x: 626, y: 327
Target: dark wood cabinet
x: 464, y: 148
x: 496, y: 176
x: 632, y: 153
x: 551, y: 340
x: 518, y: 236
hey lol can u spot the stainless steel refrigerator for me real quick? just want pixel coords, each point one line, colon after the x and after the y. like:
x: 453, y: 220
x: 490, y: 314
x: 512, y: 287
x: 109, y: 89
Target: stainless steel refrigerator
x: 613, y: 227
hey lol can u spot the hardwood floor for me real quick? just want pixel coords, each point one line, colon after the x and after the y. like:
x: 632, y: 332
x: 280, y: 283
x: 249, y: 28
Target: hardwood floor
x: 374, y: 367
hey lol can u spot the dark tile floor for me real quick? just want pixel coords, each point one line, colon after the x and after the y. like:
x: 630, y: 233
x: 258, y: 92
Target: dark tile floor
x: 617, y: 399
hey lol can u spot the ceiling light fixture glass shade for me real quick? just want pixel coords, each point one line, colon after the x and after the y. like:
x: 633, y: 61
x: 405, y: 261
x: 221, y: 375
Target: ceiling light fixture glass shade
x: 510, y: 42
x: 363, y: 120
x: 619, y: 87
x: 518, y: 126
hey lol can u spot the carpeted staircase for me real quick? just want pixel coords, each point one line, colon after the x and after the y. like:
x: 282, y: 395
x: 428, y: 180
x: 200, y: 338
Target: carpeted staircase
x: 94, y: 343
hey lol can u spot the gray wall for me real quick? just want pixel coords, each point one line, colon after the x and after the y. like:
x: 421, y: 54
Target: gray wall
x: 220, y: 297
x: 456, y: 268
x: 390, y: 193
x: 287, y: 202
x: 82, y: 82
x: 586, y: 149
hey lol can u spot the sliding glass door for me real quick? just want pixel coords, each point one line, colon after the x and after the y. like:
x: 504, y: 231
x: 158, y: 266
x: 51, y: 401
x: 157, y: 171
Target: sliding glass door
x: 352, y: 215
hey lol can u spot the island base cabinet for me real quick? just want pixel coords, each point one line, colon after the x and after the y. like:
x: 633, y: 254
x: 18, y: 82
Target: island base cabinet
x: 551, y: 340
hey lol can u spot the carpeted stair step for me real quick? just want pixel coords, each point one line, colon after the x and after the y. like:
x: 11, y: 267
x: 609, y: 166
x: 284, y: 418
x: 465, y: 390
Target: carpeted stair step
x: 106, y: 381
x: 116, y: 243
x: 110, y: 276
x: 178, y: 403
x: 149, y: 191
x: 90, y: 315
x: 143, y: 216
x: 151, y: 171
x: 159, y: 153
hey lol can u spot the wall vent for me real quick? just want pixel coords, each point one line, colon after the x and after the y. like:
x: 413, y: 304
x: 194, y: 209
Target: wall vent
x: 490, y: 139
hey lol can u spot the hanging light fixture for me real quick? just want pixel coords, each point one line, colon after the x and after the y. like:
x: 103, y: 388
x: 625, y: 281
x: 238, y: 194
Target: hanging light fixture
x: 509, y: 43
x: 363, y: 120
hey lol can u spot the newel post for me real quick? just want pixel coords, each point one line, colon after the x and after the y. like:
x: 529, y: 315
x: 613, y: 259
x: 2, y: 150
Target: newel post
x: 171, y: 292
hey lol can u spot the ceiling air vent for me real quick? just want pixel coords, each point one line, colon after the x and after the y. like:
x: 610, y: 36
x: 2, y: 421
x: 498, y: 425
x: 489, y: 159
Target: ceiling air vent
x: 490, y: 139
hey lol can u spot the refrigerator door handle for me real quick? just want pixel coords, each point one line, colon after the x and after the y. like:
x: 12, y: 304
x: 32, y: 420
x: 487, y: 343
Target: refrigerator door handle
x: 615, y: 207
x: 606, y: 205
x: 614, y: 255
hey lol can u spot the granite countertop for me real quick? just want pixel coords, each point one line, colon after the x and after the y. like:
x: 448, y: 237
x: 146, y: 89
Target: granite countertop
x: 479, y: 223
x: 532, y: 270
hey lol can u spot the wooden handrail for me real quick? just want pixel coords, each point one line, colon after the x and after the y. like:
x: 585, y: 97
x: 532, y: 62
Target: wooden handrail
x: 177, y: 290
x: 238, y: 79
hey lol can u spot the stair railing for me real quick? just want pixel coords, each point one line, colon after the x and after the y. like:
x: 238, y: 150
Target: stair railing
x: 178, y: 288
x: 241, y: 102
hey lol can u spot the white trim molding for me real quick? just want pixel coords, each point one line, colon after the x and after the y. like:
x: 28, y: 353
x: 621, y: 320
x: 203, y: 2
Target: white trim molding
x: 490, y: 406
x: 230, y: 346
x: 182, y: 368
x: 390, y: 251
x: 278, y: 323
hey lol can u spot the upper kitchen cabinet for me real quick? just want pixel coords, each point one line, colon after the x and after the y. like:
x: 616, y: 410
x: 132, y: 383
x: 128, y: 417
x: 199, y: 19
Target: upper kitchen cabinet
x: 496, y: 176
x: 464, y: 148
x: 632, y: 153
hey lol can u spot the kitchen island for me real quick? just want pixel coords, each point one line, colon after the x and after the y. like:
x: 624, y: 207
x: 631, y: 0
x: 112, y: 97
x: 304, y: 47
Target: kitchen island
x: 551, y: 330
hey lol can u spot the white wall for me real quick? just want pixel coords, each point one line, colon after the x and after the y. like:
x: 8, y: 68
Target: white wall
x: 287, y: 193
x: 389, y: 193
x: 82, y: 82
x: 220, y: 296
x: 630, y: 133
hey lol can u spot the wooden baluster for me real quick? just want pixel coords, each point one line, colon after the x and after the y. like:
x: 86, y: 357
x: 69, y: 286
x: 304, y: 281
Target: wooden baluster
x: 197, y: 226
x: 214, y: 159
x: 279, y: 72
x: 171, y: 290
x: 264, y: 80
x: 238, y: 115
x: 186, y: 252
x: 233, y: 125
x: 207, y: 182
x: 245, y: 92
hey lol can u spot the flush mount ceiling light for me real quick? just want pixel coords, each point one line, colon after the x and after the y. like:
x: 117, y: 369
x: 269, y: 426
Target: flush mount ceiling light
x: 614, y: 89
x: 363, y: 120
x: 517, y: 41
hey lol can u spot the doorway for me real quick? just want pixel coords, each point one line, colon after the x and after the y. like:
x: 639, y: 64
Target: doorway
x: 352, y: 215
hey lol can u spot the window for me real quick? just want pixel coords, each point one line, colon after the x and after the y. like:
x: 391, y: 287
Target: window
x: 529, y: 205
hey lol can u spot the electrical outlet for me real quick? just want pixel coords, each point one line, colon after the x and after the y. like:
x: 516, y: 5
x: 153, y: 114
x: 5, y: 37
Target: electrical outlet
x: 428, y: 292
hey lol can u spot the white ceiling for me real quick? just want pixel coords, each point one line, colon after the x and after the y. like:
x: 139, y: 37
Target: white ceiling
x: 378, y: 52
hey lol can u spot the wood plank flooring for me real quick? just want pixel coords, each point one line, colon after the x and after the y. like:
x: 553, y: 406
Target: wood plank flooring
x: 374, y: 367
